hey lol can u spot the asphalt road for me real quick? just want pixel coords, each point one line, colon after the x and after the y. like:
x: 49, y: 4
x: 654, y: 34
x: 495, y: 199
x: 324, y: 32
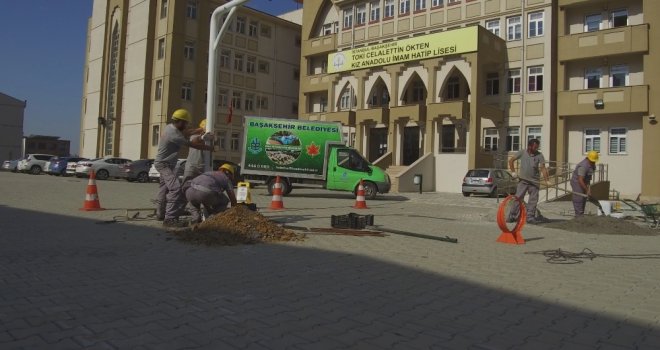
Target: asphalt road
x: 67, y: 281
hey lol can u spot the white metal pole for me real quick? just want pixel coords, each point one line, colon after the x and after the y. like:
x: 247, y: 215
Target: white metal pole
x: 215, y: 36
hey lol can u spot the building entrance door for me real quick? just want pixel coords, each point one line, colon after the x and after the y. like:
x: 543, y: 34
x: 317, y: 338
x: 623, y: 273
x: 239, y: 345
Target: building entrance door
x: 410, y: 144
x: 377, y: 143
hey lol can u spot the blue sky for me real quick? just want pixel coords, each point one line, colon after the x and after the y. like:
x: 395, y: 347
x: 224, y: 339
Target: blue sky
x: 42, y: 53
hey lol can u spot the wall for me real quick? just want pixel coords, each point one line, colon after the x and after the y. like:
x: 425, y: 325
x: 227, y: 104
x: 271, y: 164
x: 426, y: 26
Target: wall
x: 11, y: 127
x: 575, y: 71
x: 575, y: 19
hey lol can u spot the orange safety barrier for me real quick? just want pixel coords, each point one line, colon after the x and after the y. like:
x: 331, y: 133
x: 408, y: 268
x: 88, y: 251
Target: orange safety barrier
x: 511, y: 236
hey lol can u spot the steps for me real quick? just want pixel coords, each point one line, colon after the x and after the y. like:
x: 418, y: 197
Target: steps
x: 394, y: 171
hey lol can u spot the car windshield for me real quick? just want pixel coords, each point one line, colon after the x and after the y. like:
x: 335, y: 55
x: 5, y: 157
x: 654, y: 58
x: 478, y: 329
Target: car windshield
x: 477, y: 173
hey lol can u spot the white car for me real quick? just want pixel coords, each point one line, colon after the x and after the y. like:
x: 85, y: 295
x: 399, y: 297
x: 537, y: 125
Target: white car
x: 71, y: 166
x: 104, y: 168
x: 34, y: 163
x: 154, y: 175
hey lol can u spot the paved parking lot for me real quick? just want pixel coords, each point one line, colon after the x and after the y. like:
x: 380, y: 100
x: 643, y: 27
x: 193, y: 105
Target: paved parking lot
x: 68, y: 282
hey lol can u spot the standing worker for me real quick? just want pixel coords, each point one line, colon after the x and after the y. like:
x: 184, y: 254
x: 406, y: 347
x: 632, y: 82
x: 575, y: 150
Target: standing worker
x: 195, y: 161
x: 206, y: 189
x: 169, y: 189
x: 580, y: 181
x: 531, y: 163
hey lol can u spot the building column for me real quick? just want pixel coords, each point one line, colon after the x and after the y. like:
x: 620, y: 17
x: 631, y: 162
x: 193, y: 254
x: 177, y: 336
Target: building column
x: 561, y: 140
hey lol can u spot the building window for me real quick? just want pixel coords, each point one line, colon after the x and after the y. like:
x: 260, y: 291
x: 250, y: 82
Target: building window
x: 161, y: 48
x: 296, y: 74
x: 238, y: 62
x: 348, y: 17
x: 159, y: 90
x: 323, y: 104
x: 534, y: 132
x: 222, y: 140
x: 186, y: 91
x: 240, y: 25
x: 619, y: 18
x: 420, y: 5
x: 453, y: 2
x: 327, y: 29
x: 453, y: 88
x: 513, y: 139
x: 448, y: 139
x: 389, y: 9
x: 265, y: 30
x: 535, y: 24
x: 535, y: 79
x: 224, y: 58
x: 155, y: 135
x: 234, y: 141
x: 492, y: 84
x: 294, y: 107
x: 345, y: 100
x: 374, y: 15
x: 163, y: 9
x: 592, y: 78
x: 361, y: 16
x: 251, y: 64
x: 262, y: 102
x: 618, y: 141
x: 619, y: 76
x: 491, y: 136
x: 223, y: 98
x: 236, y: 100
x: 252, y: 29
x: 404, y: 7
x: 593, y: 23
x: 264, y: 67
x: 591, y: 140
x: 513, y: 81
x: 189, y: 50
x: 493, y: 26
x: 436, y: 3
x: 513, y: 28
x: 249, y: 102
x: 191, y: 9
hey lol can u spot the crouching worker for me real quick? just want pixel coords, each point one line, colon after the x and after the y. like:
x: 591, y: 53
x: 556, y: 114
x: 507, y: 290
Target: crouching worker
x: 207, y: 190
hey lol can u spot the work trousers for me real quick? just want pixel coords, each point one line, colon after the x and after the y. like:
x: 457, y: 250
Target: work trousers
x: 579, y: 202
x: 212, y: 201
x: 171, y: 201
x: 524, y: 188
x: 192, y: 172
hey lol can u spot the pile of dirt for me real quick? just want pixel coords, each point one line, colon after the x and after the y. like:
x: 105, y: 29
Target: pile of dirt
x: 237, y: 225
x: 603, y: 225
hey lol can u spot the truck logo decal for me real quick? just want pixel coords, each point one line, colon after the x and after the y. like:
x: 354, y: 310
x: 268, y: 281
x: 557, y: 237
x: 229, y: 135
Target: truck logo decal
x: 255, y: 146
x: 312, y: 150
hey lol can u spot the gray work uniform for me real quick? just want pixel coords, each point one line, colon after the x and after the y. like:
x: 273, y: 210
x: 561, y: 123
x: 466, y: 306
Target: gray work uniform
x: 194, y: 162
x: 586, y: 170
x: 207, y: 189
x: 529, y: 174
x: 171, y: 200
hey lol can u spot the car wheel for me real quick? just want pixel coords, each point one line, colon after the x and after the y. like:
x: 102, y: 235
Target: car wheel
x: 493, y: 193
x: 35, y: 170
x: 102, y: 174
x: 370, y: 190
x: 285, y: 187
x: 143, y: 177
x: 466, y: 194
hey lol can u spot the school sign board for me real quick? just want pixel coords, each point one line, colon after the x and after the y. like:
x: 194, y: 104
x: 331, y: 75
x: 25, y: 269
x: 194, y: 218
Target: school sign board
x: 413, y: 49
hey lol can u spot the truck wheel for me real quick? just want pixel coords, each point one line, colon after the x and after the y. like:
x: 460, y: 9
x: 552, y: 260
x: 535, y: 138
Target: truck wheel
x: 370, y: 190
x: 286, y: 188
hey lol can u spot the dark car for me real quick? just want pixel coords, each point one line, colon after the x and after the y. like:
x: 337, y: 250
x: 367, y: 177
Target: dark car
x: 58, y: 165
x: 138, y: 170
x: 493, y: 182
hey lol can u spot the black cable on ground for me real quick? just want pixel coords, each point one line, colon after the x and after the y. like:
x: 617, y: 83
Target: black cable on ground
x: 558, y: 256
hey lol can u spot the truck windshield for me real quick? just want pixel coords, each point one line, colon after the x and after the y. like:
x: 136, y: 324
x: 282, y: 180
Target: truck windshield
x: 351, y: 159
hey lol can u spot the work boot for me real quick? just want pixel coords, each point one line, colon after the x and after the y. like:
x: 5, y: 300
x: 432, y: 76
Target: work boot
x: 174, y: 223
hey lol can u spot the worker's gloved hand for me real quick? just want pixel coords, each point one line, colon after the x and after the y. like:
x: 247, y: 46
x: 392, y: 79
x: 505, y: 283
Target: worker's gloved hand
x: 208, y: 137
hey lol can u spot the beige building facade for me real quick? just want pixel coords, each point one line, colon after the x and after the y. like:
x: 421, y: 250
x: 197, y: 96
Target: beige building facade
x: 11, y: 127
x: 608, y: 83
x: 435, y: 115
x: 146, y: 59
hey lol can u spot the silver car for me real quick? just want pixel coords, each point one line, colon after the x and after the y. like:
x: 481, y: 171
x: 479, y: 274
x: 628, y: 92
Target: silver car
x: 34, y: 163
x: 493, y: 182
x: 104, y: 168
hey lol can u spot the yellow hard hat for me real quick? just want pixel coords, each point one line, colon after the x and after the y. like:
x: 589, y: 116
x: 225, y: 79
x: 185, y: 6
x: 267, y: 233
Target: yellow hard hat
x: 592, y: 156
x: 228, y: 167
x: 181, y: 114
x: 202, y: 124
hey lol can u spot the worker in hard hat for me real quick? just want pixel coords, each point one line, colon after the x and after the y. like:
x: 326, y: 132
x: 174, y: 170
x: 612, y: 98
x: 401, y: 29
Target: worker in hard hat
x: 580, y: 181
x: 174, y: 136
x: 207, y: 190
x: 195, y: 160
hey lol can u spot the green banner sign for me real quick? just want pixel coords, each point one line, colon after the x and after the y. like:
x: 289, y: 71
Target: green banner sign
x: 287, y: 145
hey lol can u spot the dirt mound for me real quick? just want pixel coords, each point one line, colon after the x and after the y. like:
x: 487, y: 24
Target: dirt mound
x: 603, y: 225
x: 237, y: 225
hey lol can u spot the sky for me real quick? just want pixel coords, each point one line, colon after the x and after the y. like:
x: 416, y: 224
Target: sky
x: 42, y: 55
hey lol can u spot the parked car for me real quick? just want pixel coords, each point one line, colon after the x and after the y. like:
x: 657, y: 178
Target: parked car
x: 71, y: 165
x: 138, y: 170
x: 154, y: 175
x: 10, y: 165
x: 104, y: 168
x: 58, y: 165
x: 34, y: 163
x: 493, y: 182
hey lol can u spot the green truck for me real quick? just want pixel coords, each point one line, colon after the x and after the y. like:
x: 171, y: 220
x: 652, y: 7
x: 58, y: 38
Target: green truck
x: 306, y: 153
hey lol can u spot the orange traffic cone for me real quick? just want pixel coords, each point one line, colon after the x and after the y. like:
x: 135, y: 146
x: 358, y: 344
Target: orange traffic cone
x: 91, y: 197
x: 513, y: 236
x: 360, y: 202
x: 276, y: 203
